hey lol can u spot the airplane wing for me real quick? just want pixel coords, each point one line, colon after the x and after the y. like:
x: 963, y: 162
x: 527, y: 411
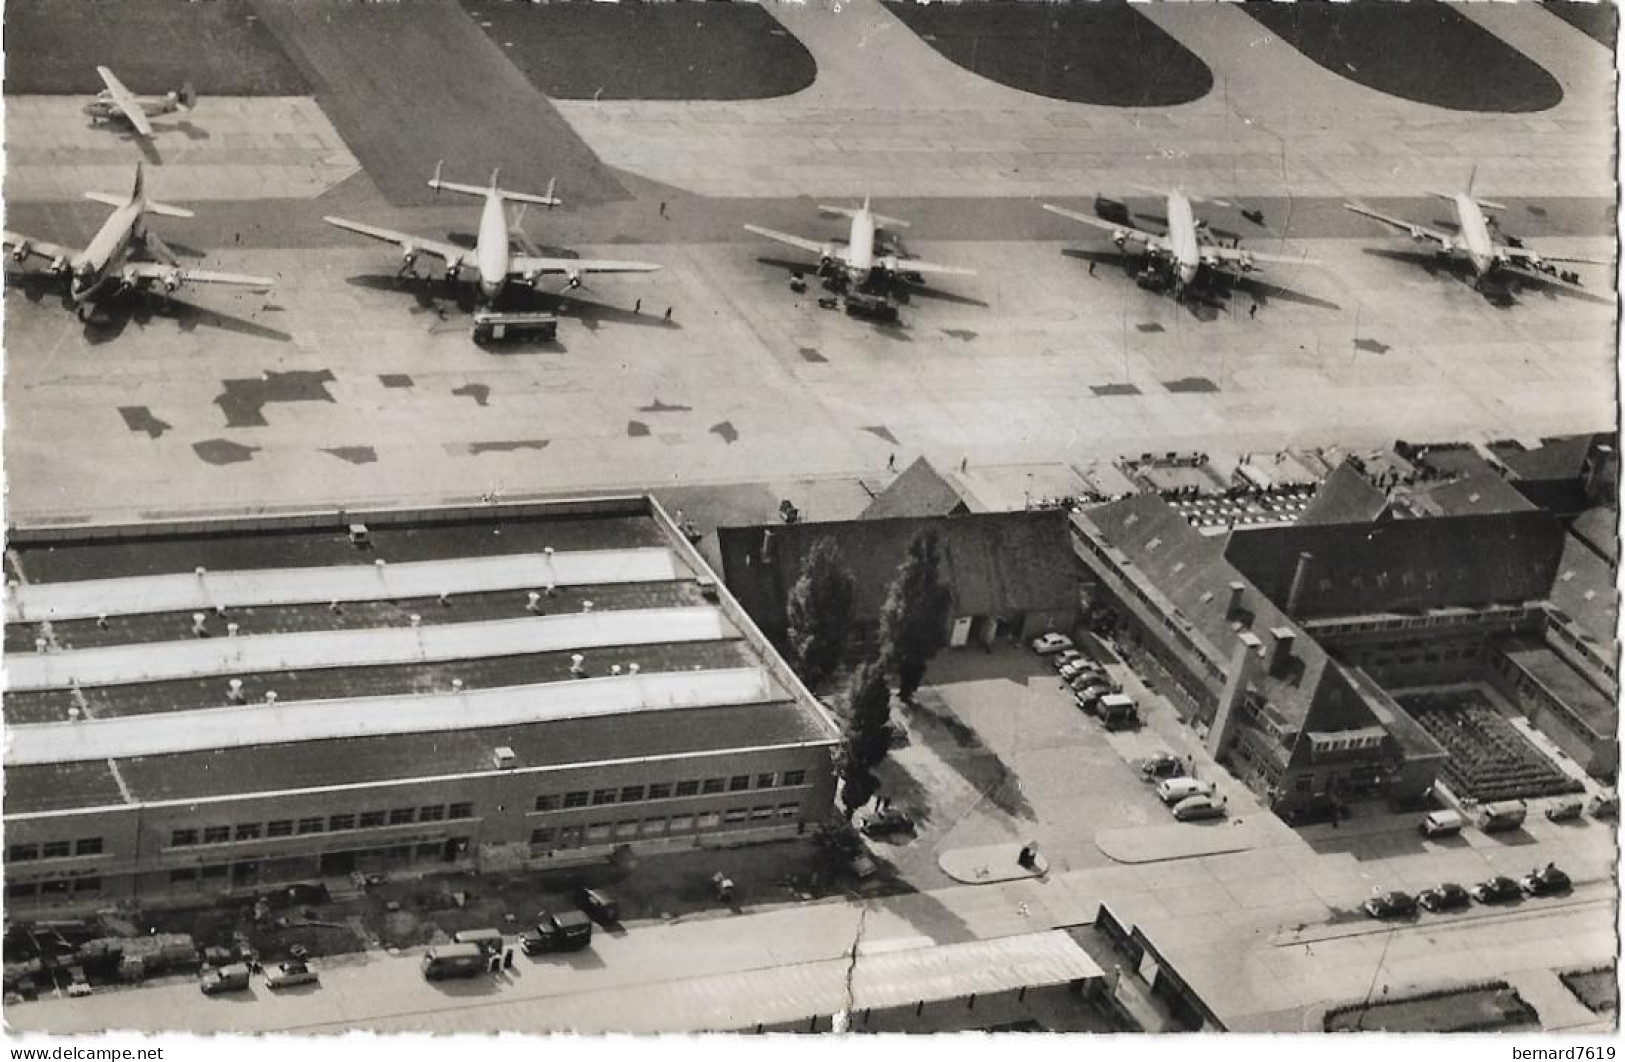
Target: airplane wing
x: 172, y: 277
x: 1240, y: 254
x: 810, y: 246
x: 21, y: 248
x: 531, y: 266
x: 915, y: 265
x: 1525, y: 256
x: 450, y: 253
x: 125, y: 100
x: 1150, y: 239
x: 1414, y: 230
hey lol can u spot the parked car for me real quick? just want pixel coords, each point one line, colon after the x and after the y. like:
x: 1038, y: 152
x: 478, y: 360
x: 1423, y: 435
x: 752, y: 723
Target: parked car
x: 1065, y: 657
x: 1052, y: 642
x: 1445, y: 897
x: 1502, y: 815
x: 1161, y: 765
x: 289, y: 974
x: 233, y: 978
x: 1073, y: 669
x: 1605, y: 805
x: 599, y: 905
x: 1199, y: 807
x: 1565, y: 810
x: 1545, y: 881
x: 561, y: 931
x: 1092, y: 680
x: 1173, y: 790
x: 884, y: 823
x: 1499, y: 889
x: 1394, y: 904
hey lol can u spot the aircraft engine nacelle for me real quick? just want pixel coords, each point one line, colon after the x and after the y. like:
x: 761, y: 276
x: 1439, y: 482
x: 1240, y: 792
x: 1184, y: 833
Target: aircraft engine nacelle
x: 20, y: 252
x: 409, y: 256
x: 1119, y: 237
x: 572, y: 281
x: 59, y: 265
x: 1246, y: 262
x: 172, y: 281
x: 452, y: 269
x: 1417, y: 234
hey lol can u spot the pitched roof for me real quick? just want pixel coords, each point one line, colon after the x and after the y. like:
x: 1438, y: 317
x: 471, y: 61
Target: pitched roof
x: 1345, y: 497
x: 1401, y: 565
x: 1598, y: 527
x: 1562, y: 458
x: 919, y: 491
x: 1481, y: 492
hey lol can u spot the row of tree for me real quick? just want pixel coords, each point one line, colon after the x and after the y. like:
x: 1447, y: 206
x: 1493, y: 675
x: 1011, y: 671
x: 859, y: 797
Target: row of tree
x: 913, y: 627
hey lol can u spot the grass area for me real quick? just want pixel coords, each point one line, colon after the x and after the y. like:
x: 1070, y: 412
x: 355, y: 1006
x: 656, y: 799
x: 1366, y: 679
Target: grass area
x: 54, y: 46
x: 1598, y: 989
x: 1103, y: 53
x: 656, y: 51
x: 1421, y: 51
x: 1491, y: 1007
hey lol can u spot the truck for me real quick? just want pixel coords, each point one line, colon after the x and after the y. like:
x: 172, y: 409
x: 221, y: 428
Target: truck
x: 492, y: 326
x: 564, y: 931
x: 233, y: 978
x: 1117, y: 711
x: 453, y: 960
x: 1500, y: 815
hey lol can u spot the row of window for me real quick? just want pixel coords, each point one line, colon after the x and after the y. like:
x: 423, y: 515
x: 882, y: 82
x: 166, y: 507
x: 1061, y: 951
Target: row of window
x: 21, y: 853
x: 21, y: 889
x: 366, y: 820
x: 627, y: 829
x: 633, y: 794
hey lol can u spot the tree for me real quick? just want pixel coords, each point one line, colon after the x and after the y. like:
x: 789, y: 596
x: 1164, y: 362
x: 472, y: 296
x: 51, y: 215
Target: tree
x: 820, y: 612
x: 914, y: 619
x: 868, y: 735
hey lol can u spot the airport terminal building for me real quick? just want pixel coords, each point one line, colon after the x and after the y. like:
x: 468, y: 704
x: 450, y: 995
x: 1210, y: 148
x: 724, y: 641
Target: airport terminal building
x: 202, y: 707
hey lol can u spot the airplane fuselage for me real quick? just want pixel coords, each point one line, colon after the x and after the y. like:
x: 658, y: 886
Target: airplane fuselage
x: 1183, y: 246
x: 491, y: 254
x: 860, y: 247
x: 93, y: 268
x: 103, y: 109
x: 1476, y: 242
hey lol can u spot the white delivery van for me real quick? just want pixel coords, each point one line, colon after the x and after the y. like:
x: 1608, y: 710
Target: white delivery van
x: 1441, y: 824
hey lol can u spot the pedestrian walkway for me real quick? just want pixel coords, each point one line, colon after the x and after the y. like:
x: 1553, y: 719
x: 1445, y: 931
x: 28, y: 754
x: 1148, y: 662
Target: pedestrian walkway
x: 373, y: 647
x: 203, y: 591
x: 270, y: 724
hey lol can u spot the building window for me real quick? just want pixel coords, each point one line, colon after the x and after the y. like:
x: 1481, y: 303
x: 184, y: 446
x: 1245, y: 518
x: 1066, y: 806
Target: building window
x: 248, y: 831
x: 433, y: 813
x: 88, y: 846
x: 577, y: 799
x: 789, y: 811
x: 659, y: 790
x: 55, y: 850
x: 312, y: 825
x: 344, y: 821
x: 463, y: 810
x: 626, y: 828
x: 682, y: 823
x: 761, y: 813
x: 279, y: 828
x: 547, y: 802
x: 597, y: 832
x: 735, y: 815
x: 738, y: 782
x: 795, y: 778
x: 688, y: 788
x: 631, y: 794
x: 765, y: 781
x: 429, y: 850
x: 401, y: 816
x: 218, y: 870
x: 182, y: 838
x: 216, y: 834
x: 18, y: 853
x: 542, y: 836
x: 182, y: 874
x: 653, y: 826
x: 369, y: 819
x: 603, y: 796
x: 20, y: 889
x: 714, y: 785
x: 54, y: 888
x: 710, y: 820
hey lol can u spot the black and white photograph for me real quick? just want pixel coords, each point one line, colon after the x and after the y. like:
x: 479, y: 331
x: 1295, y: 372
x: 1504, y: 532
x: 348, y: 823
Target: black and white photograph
x: 816, y: 517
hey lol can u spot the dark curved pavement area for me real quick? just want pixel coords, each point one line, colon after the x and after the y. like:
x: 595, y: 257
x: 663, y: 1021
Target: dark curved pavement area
x: 409, y: 84
x: 54, y: 46
x: 639, y: 51
x: 1420, y: 50
x: 1599, y: 21
x: 1103, y: 53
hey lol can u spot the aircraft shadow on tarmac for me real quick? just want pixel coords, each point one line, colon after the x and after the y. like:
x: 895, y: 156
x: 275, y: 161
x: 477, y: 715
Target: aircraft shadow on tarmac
x: 902, y: 291
x: 1211, y: 300
x: 1501, y: 291
x: 113, y: 316
x: 436, y: 295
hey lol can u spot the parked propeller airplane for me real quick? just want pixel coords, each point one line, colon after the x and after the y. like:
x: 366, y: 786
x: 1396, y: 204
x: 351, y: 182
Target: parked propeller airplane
x: 106, y: 266
x: 116, y: 102
x: 1186, y: 249
x: 1473, y: 241
x: 491, y: 258
x: 866, y: 255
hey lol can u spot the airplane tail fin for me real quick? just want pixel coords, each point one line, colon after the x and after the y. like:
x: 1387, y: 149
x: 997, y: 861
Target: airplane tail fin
x: 1472, y: 175
x: 881, y: 220
x: 186, y: 98
x: 548, y: 200
x: 138, y: 197
x: 434, y: 182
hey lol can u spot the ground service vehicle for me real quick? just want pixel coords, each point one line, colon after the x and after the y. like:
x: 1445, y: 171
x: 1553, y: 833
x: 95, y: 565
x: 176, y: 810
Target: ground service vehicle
x: 453, y: 960
x: 233, y: 978
x: 289, y: 974
x: 1118, y: 711
x: 564, y: 931
x: 1445, y: 897
x: 1503, y: 815
x: 1441, y: 824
